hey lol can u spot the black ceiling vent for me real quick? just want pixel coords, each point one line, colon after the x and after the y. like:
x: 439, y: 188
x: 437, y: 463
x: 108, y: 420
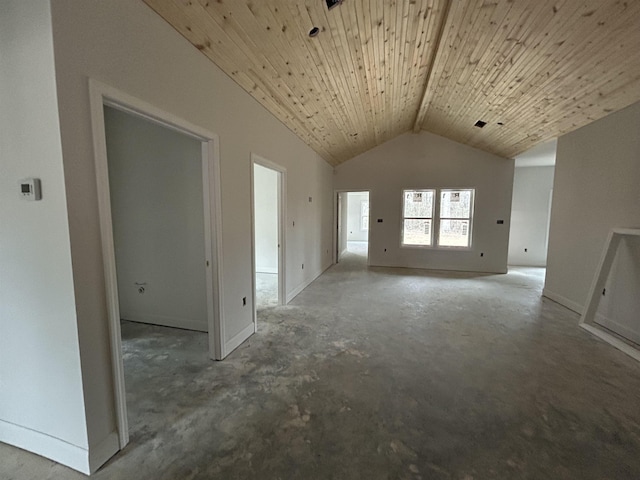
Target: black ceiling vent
x: 480, y: 124
x: 333, y: 3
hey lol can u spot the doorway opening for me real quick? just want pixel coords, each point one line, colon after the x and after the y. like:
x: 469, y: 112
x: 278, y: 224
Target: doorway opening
x: 268, y: 181
x: 159, y: 206
x: 353, y: 226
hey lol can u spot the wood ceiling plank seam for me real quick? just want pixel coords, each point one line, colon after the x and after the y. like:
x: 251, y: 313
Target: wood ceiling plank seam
x: 172, y: 10
x: 389, y: 20
x: 560, y: 106
x: 270, y: 54
x: 244, y: 49
x: 512, y: 33
x: 463, y: 25
x: 407, y: 105
x: 340, y: 70
x: 584, y: 58
x: 423, y: 52
x: 472, y: 106
x: 559, y: 56
x: 327, y: 78
x: 523, y: 67
x: 445, y: 24
x: 444, y: 80
x: 352, y: 38
x: 491, y: 50
x: 409, y: 67
x: 456, y: 93
x: 395, y: 72
x: 365, y: 26
x: 377, y: 32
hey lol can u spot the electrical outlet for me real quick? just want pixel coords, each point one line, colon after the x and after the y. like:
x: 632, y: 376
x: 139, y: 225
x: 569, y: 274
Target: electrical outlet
x: 482, y: 254
x: 244, y: 301
x: 303, y: 266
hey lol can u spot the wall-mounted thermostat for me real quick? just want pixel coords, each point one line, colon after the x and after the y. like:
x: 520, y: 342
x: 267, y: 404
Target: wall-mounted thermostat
x: 30, y: 189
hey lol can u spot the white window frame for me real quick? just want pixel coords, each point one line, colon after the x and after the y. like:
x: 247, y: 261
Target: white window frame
x: 432, y: 218
x: 470, y: 217
x: 435, y: 220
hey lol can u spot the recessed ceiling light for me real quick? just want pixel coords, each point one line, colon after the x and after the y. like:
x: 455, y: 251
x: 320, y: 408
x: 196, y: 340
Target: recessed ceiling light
x: 500, y: 123
x: 314, y: 31
x: 333, y: 3
x: 480, y: 124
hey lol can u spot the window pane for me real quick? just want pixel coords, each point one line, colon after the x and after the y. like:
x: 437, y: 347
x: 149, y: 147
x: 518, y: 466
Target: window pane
x: 416, y: 232
x: 455, y: 204
x: 454, y: 233
x: 418, y: 203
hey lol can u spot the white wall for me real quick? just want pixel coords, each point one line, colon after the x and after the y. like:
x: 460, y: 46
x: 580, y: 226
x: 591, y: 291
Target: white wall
x: 532, y: 188
x: 343, y: 218
x: 155, y: 179
x: 265, y: 181
x: 127, y: 46
x: 595, y: 189
x: 425, y: 160
x: 354, y: 232
x: 41, y: 403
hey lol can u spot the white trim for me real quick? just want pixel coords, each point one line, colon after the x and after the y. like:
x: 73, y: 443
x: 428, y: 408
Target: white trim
x: 587, y: 320
x: 102, y: 452
x: 100, y: 95
x: 618, y: 328
x: 54, y: 448
x: 173, y: 322
x: 565, y: 302
x: 256, y: 159
x: 239, y: 338
x: 296, y: 291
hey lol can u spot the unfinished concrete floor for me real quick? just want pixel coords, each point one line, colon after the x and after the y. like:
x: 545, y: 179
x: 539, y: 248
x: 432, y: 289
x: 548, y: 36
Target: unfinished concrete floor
x: 381, y: 374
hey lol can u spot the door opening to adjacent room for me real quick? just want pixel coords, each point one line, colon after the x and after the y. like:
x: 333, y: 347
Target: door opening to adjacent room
x: 268, y: 235
x: 353, y: 226
x: 157, y: 179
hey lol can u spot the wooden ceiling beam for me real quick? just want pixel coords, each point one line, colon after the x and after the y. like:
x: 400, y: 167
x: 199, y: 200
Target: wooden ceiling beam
x: 428, y: 89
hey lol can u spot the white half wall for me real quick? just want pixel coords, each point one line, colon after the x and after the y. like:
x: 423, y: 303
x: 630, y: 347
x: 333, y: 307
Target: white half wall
x: 155, y: 180
x: 41, y: 402
x: 425, y: 160
x: 354, y: 230
x: 265, y: 184
x: 529, y: 232
x: 127, y: 46
x: 595, y: 189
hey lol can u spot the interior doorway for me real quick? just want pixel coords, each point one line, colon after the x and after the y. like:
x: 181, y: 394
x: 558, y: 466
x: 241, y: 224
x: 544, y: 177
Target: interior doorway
x: 353, y: 225
x: 268, y: 180
x: 202, y: 233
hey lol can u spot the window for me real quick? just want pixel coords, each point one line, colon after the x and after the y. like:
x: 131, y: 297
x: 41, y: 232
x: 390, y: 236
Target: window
x: 456, y: 208
x: 452, y: 222
x: 417, y: 221
x: 364, y: 215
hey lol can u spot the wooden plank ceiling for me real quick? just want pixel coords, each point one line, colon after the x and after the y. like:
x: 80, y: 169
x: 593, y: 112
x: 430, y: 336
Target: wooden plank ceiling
x: 532, y: 70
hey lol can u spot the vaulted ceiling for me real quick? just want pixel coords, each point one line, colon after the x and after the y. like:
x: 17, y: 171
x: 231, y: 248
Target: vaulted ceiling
x: 532, y: 70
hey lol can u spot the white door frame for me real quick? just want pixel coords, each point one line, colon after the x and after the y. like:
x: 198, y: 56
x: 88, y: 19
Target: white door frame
x: 101, y: 95
x: 336, y: 218
x: 282, y: 215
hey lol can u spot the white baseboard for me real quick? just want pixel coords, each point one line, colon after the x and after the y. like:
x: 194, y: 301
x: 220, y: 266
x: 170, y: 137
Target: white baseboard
x: 565, y: 302
x: 237, y: 340
x: 296, y: 291
x: 618, y: 328
x: 106, y: 449
x: 53, y: 448
x: 166, y: 321
x: 610, y: 339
